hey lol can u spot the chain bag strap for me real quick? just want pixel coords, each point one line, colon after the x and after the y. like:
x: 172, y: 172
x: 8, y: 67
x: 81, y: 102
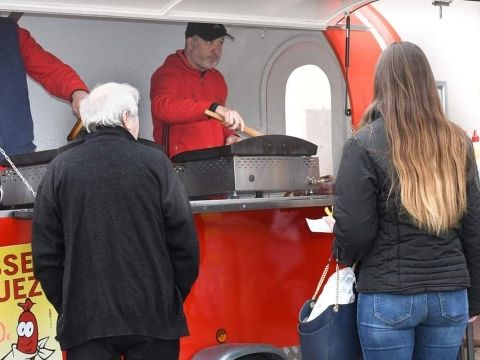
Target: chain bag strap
x: 322, y: 280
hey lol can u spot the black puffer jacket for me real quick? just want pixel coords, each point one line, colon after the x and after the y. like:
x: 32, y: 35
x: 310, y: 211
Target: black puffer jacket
x: 395, y: 255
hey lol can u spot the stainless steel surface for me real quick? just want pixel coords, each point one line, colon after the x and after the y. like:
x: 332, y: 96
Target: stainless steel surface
x: 15, y: 192
x: 5, y: 213
x: 18, y: 173
x: 25, y: 214
x: 241, y: 174
x: 209, y: 206
x: 218, y: 206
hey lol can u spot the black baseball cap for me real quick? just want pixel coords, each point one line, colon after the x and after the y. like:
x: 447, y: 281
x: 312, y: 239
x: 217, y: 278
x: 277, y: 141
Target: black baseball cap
x: 206, y: 31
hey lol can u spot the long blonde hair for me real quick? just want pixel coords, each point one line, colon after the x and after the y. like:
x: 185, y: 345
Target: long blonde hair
x: 428, y: 152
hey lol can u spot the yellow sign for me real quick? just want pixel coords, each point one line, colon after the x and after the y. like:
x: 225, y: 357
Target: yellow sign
x: 27, y: 319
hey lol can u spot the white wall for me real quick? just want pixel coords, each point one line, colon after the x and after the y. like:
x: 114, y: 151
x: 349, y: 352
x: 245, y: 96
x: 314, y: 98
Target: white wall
x: 451, y: 45
x: 100, y: 51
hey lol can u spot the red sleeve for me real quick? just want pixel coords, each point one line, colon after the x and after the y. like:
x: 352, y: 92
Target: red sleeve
x: 56, y: 77
x: 226, y: 131
x: 169, y: 105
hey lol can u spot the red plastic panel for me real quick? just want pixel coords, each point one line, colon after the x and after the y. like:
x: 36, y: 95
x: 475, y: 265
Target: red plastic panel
x: 14, y: 231
x: 257, y: 268
x: 364, y: 52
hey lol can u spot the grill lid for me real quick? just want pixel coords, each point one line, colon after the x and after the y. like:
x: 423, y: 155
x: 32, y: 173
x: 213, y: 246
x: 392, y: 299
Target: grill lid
x: 266, y: 145
x: 45, y: 156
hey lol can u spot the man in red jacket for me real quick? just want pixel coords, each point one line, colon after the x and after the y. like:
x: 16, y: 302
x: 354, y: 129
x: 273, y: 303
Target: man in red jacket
x: 185, y: 86
x: 56, y: 77
x: 20, y: 54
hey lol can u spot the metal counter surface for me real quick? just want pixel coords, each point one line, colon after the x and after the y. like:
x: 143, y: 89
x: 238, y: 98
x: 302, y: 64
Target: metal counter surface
x: 19, y: 214
x: 224, y: 205
x: 246, y: 204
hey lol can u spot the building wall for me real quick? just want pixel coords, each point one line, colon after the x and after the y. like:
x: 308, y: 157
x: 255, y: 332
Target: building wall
x: 451, y: 45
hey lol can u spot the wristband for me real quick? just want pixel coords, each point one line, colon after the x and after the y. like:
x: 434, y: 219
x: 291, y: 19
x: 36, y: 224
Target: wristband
x: 213, y: 107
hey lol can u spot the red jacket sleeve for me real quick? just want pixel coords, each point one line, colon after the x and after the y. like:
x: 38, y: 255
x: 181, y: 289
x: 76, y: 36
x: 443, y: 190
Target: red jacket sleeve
x: 169, y: 105
x: 56, y: 77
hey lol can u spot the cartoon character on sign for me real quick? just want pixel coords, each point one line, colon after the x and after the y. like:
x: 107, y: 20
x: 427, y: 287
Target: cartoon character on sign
x: 28, y: 345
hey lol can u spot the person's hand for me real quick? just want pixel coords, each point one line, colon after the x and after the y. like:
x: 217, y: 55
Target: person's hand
x: 77, y: 97
x: 472, y: 319
x: 233, y: 120
x: 232, y: 139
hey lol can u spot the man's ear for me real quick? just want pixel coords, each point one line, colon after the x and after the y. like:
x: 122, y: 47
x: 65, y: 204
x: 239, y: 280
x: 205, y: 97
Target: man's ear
x: 131, y: 123
x: 189, y: 43
x: 125, y: 120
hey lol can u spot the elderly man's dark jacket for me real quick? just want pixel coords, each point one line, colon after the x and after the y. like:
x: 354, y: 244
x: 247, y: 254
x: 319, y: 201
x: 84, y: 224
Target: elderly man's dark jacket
x: 114, y: 242
x: 372, y: 227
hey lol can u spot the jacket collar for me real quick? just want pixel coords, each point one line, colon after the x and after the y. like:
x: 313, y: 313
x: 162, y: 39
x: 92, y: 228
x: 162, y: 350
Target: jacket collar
x: 111, y: 131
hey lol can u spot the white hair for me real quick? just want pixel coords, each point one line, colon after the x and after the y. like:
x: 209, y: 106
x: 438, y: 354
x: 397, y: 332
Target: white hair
x: 105, y: 105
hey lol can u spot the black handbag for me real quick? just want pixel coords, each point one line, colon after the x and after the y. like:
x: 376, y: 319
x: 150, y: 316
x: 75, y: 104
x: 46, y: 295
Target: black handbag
x: 333, y: 334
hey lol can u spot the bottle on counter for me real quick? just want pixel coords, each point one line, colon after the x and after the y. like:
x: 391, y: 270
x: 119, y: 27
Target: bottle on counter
x: 476, y: 147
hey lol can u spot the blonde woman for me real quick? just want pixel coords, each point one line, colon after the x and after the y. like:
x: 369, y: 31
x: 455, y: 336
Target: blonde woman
x: 407, y: 208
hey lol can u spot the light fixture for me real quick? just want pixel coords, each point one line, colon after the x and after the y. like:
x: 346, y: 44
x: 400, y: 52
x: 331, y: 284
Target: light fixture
x: 441, y: 4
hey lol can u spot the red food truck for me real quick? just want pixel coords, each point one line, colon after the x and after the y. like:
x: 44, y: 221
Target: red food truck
x: 258, y: 260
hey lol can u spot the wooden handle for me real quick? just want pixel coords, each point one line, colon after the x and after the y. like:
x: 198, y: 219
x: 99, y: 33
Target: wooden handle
x: 249, y: 131
x: 72, y: 135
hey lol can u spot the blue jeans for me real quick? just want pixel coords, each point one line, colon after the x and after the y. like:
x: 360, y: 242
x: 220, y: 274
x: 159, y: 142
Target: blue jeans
x: 422, y: 326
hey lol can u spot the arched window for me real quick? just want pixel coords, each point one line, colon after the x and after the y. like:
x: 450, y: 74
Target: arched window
x: 308, y: 111
x: 326, y: 84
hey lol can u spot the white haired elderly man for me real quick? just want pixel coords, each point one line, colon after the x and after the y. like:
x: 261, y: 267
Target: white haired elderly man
x: 113, y: 239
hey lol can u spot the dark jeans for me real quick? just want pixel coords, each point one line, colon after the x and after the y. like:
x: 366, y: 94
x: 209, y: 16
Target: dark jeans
x: 131, y: 347
x: 422, y: 326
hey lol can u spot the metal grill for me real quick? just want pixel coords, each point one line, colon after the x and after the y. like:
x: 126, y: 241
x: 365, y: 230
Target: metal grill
x: 240, y: 174
x: 15, y: 193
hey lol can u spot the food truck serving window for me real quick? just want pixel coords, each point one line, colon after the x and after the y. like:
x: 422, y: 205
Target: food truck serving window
x: 308, y: 109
